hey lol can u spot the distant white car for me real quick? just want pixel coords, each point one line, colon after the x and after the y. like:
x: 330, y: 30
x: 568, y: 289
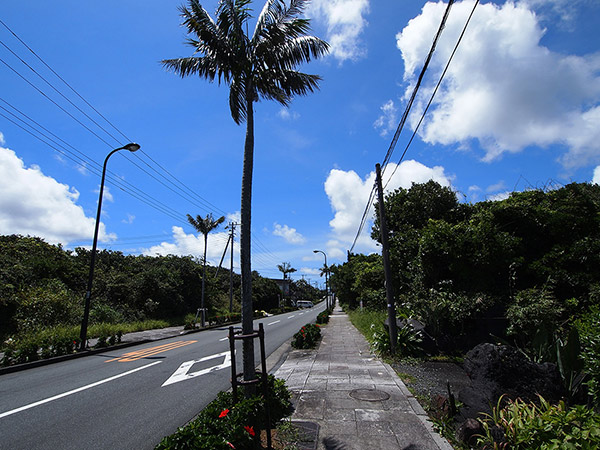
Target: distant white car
x: 304, y: 304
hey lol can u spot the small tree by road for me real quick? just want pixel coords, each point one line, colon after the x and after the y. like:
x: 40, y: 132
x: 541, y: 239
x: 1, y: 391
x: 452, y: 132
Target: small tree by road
x: 204, y: 225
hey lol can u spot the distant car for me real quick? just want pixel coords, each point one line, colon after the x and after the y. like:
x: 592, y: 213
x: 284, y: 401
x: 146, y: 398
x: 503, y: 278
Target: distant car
x: 304, y: 304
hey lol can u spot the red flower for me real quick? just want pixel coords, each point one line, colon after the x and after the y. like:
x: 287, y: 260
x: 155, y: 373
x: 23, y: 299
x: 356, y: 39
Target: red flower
x: 250, y: 430
x: 223, y: 413
x: 230, y: 444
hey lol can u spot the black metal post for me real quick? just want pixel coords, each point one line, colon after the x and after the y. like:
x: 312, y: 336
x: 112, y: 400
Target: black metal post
x: 88, y: 293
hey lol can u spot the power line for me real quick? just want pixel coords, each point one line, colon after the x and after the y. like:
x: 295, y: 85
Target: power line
x: 206, y: 204
x: 434, y: 91
x: 179, y: 188
x: 400, y: 127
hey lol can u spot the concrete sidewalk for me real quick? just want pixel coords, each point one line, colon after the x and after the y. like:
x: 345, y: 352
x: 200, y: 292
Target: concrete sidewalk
x: 358, y: 401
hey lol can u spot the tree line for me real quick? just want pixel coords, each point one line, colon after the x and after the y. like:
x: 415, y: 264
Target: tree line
x: 520, y: 266
x: 43, y: 285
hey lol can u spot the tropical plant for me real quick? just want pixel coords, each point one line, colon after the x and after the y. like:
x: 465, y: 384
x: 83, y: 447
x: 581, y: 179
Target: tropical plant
x: 522, y: 426
x: 589, y: 330
x: 258, y: 66
x: 204, y: 225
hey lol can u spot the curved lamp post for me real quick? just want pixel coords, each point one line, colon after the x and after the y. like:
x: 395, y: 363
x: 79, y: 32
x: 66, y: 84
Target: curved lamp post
x: 132, y: 147
x: 326, y: 277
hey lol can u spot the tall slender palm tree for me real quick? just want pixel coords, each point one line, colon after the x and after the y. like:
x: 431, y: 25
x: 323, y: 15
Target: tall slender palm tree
x: 258, y: 66
x: 204, y: 225
x: 285, y: 268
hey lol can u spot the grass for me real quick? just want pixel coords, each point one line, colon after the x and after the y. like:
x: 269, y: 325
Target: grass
x: 363, y: 320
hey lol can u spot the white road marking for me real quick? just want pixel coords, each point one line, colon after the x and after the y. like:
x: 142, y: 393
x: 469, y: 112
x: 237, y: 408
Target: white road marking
x: 182, y: 374
x: 74, y: 391
x: 224, y: 339
x: 273, y: 323
x: 292, y: 316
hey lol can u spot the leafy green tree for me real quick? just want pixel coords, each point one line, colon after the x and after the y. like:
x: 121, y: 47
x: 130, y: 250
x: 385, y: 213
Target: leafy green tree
x: 258, y: 66
x: 265, y: 293
x: 204, y: 225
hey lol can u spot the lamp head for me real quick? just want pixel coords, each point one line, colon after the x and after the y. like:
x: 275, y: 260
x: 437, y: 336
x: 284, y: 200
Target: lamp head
x: 132, y: 147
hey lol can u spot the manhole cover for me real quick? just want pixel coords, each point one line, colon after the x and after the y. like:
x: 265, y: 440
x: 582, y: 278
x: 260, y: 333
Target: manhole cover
x: 369, y: 395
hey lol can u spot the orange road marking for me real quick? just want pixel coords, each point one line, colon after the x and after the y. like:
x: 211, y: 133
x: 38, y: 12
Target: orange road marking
x: 140, y: 354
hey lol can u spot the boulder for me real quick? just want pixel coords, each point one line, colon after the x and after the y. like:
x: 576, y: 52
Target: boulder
x: 500, y: 369
x: 468, y: 431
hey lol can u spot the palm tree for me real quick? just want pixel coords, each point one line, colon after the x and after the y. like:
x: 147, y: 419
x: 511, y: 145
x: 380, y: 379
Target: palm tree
x: 285, y: 268
x: 204, y: 225
x: 258, y: 66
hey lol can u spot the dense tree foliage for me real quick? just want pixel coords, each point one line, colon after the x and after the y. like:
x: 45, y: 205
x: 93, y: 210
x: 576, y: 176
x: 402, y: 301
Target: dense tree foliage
x: 43, y: 285
x: 529, y: 262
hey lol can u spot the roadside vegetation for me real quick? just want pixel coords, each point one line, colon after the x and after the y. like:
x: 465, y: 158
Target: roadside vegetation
x: 42, y: 289
x: 223, y: 424
x: 520, y: 273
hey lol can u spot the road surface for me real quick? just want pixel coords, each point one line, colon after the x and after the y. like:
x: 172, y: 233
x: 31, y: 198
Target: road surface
x: 129, y: 398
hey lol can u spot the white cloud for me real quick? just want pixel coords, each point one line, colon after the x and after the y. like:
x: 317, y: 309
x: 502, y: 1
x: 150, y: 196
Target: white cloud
x: 496, y: 187
x: 35, y: 204
x: 503, y: 87
x: 289, y: 234
x: 596, y: 178
x: 286, y: 114
x: 190, y: 244
x: 348, y: 195
x: 310, y: 271
x: 129, y: 220
x: 500, y: 196
x: 2, y: 141
x: 106, y: 194
x: 388, y: 121
x: 345, y: 22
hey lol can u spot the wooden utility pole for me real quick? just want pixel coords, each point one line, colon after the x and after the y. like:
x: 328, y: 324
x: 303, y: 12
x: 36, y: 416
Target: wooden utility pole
x: 385, y: 253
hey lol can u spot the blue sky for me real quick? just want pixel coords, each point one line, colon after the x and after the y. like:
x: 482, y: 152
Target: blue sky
x: 519, y: 108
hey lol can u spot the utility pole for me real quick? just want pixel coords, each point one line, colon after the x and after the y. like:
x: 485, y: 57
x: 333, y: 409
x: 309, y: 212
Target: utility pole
x: 385, y: 253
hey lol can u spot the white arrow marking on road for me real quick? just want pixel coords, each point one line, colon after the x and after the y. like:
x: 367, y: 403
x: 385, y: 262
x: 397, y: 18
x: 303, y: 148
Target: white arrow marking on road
x: 182, y: 374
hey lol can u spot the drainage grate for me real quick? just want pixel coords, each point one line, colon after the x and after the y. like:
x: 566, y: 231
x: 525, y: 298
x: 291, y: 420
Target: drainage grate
x: 369, y: 395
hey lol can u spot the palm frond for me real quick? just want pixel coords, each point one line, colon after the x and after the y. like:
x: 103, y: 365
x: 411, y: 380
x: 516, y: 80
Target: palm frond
x: 237, y: 100
x: 192, y: 65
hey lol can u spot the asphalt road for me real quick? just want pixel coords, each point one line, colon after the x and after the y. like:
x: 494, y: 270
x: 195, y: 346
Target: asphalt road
x: 126, y: 399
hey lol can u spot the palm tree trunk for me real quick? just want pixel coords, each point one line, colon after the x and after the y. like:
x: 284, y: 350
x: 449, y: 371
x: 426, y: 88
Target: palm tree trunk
x: 246, y: 269
x: 203, y: 278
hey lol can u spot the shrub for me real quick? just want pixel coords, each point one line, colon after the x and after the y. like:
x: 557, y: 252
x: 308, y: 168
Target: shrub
x: 48, y: 304
x: 408, y: 343
x: 532, y: 310
x: 589, y: 331
x: 32, y: 346
x: 223, y: 425
x: 323, y: 317
x: 523, y: 426
x: 307, y: 337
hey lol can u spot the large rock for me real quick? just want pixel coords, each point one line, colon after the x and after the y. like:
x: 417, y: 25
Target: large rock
x: 499, y: 369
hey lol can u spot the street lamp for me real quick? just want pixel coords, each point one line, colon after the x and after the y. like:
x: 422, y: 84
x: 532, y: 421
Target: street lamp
x: 132, y: 147
x: 326, y: 277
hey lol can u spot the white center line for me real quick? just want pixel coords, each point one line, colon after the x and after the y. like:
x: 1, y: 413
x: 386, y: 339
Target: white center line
x: 74, y: 391
x: 273, y: 323
x: 224, y: 339
x: 292, y: 316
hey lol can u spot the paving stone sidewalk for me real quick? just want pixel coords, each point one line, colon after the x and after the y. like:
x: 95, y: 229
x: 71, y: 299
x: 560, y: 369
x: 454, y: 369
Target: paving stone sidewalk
x: 358, y: 401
